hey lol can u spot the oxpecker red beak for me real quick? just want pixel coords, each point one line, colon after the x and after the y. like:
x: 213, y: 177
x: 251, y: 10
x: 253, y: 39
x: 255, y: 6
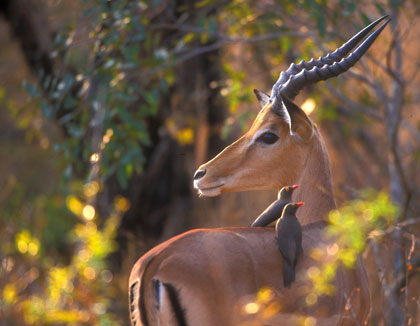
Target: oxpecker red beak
x: 295, y: 186
x: 301, y: 203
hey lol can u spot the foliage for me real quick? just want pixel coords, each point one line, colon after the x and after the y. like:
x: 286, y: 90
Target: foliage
x: 365, y: 217
x: 78, y: 293
x: 131, y: 67
x: 104, y: 93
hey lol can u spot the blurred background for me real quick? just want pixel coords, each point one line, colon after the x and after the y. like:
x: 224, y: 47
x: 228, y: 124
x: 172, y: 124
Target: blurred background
x: 107, y: 107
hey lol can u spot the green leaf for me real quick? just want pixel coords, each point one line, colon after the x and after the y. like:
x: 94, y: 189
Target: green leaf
x: 320, y: 23
x: 141, y: 133
x: 380, y: 9
x: 212, y: 26
x: 121, y: 176
x: 46, y: 110
x: 130, y: 53
x: 75, y: 131
x: 366, y: 20
x: 66, y: 118
x: 70, y: 102
x: 32, y: 90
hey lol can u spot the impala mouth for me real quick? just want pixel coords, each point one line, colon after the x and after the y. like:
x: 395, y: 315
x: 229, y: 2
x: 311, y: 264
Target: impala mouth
x: 208, y: 191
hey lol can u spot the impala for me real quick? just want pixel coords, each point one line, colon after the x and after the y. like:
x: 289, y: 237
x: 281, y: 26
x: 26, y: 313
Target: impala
x: 210, y: 277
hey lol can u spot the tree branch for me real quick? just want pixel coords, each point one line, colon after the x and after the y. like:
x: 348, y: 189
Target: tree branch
x: 219, y: 44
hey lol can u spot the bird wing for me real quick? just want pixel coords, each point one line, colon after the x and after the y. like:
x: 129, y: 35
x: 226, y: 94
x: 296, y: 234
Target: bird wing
x: 291, y: 249
x: 298, y: 242
x: 283, y: 245
x: 272, y: 213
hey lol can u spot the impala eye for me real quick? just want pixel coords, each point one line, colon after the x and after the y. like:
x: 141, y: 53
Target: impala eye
x: 268, y: 138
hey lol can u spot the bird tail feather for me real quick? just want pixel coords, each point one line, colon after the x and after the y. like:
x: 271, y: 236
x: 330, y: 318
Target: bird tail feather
x: 288, y: 274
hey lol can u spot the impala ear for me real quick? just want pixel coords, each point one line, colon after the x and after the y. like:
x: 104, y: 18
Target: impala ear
x: 301, y: 124
x: 262, y: 97
x: 301, y: 127
x: 278, y: 107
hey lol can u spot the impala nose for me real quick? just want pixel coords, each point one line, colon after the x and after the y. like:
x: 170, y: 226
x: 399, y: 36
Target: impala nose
x: 199, y: 174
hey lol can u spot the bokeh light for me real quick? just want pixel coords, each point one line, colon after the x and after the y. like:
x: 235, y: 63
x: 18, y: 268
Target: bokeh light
x: 308, y: 106
x: 88, y: 212
x: 251, y: 308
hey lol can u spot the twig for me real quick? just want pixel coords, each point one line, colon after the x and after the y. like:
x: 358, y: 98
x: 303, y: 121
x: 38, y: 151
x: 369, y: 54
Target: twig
x: 400, y: 225
x: 413, y: 245
x: 381, y: 273
x: 400, y: 281
x: 219, y: 44
x: 352, y: 104
x: 411, y: 129
x: 350, y: 307
x: 369, y: 111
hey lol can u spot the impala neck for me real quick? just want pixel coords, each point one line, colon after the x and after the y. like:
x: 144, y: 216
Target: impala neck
x: 315, y: 187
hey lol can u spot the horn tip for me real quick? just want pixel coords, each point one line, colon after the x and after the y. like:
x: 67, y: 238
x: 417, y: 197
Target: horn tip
x: 386, y: 22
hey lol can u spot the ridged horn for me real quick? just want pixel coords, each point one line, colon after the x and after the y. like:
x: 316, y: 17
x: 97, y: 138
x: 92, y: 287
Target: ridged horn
x: 329, y: 59
x: 305, y: 76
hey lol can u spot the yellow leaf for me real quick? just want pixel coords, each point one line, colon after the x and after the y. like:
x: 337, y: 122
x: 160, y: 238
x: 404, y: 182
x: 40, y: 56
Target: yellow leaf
x: 74, y: 205
x: 10, y: 294
x: 189, y: 37
x: 122, y: 204
x: 185, y: 136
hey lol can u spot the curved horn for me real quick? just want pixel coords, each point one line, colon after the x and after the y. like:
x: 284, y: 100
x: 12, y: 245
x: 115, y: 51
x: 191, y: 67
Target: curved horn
x: 329, y: 59
x: 307, y: 77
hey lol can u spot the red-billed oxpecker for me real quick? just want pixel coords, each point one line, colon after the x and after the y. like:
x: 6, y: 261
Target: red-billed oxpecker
x: 274, y: 211
x: 289, y: 240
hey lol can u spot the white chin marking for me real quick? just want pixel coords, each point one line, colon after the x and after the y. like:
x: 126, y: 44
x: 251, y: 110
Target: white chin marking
x: 209, y: 191
x: 213, y: 192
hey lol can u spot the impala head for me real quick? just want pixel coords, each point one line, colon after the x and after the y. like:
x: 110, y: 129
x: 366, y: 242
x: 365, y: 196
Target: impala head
x: 277, y: 138
x: 274, y: 150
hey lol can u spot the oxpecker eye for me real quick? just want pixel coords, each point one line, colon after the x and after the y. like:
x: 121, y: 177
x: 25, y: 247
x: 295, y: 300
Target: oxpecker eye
x: 287, y: 188
x: 268, y: 138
